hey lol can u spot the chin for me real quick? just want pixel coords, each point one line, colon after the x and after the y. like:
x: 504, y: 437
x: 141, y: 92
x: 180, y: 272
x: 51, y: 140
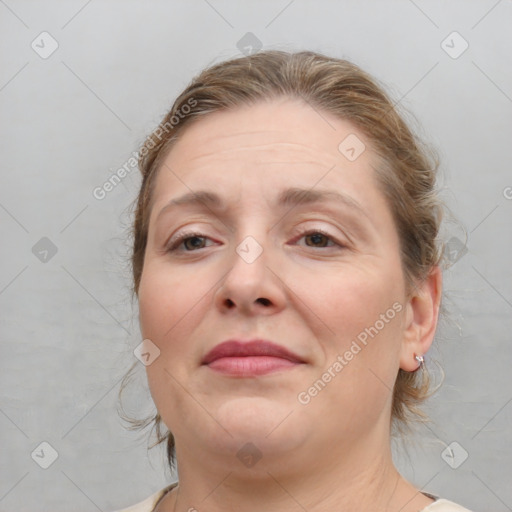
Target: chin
x: 271, y: 426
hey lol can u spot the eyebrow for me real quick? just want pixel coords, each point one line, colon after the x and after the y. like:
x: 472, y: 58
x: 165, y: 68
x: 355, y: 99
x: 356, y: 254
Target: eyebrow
x: 291, y: 197
x: 200, y: 198
x: 295, y: 196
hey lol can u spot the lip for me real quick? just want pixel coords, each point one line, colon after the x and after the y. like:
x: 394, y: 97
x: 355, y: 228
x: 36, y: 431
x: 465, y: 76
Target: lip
x: 250, y: 358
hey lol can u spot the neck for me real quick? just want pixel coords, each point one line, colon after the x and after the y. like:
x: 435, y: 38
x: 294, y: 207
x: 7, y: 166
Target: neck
x: 361, y: 478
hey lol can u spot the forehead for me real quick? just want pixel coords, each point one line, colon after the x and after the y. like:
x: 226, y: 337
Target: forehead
x: 268, y: 131
x: 260, y: 144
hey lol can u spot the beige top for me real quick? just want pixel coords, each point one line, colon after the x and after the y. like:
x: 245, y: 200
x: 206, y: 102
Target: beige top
x: 149, y: 504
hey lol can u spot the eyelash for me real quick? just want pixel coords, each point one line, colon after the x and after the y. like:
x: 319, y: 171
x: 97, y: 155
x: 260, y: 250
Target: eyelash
x: 173, y: 247
x: 187, y: 235
x: 306, y: 232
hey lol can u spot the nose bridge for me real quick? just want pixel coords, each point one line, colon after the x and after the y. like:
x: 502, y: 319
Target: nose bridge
x: 248, y: 263
x: 249, y: 284
x: 252, y: 241
x: 250, y: 250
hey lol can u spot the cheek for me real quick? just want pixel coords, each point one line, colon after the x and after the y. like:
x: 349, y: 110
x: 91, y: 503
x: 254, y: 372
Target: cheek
x: 355, y: 298
x: 364, y: 315
x: 165, y: 304
x: 355, y: 378
x: 168, y: 310
x: 172, y: 308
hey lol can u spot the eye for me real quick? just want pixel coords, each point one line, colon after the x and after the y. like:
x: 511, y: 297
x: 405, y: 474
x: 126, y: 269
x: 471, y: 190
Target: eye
x: 318, y: 238
x: 190, y: 242
x: 194, y: 242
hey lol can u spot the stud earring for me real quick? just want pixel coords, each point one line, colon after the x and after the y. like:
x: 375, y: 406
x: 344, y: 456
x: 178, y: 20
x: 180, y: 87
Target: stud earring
x: 420, y: 359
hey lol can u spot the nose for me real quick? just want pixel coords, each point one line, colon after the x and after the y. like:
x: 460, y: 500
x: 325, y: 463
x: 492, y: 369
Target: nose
x: 253, y: 285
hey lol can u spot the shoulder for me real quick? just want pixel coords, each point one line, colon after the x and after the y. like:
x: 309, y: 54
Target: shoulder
x: 445, y: 506
x: 149, y: 503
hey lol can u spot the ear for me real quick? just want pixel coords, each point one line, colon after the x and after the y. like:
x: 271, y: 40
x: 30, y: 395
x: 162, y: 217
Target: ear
x: 422, y: 313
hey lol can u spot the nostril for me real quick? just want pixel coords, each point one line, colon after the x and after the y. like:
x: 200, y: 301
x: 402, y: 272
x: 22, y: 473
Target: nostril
x: 263, y: 301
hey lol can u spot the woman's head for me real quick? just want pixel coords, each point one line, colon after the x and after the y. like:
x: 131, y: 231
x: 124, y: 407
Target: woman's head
x: 284, y: 198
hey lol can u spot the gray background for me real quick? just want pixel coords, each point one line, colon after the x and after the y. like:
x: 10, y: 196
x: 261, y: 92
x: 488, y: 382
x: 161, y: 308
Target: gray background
x: 68, y: 325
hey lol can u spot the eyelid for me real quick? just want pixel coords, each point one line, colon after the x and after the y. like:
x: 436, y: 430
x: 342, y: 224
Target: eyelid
x: 303, y: 231
x: 175, y: 241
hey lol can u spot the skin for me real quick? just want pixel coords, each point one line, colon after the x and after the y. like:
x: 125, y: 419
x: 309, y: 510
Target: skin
x: 312, y: 294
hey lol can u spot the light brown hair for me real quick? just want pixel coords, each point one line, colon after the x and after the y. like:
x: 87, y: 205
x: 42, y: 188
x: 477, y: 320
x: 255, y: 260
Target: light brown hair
x: 406, y: 170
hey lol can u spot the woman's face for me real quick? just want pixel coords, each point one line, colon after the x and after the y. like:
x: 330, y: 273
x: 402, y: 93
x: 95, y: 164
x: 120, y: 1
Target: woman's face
x: 318, y: 274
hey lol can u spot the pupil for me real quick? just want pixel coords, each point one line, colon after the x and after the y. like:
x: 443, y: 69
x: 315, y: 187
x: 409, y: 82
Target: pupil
x: 317, y: 238
x: 194, y: 242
